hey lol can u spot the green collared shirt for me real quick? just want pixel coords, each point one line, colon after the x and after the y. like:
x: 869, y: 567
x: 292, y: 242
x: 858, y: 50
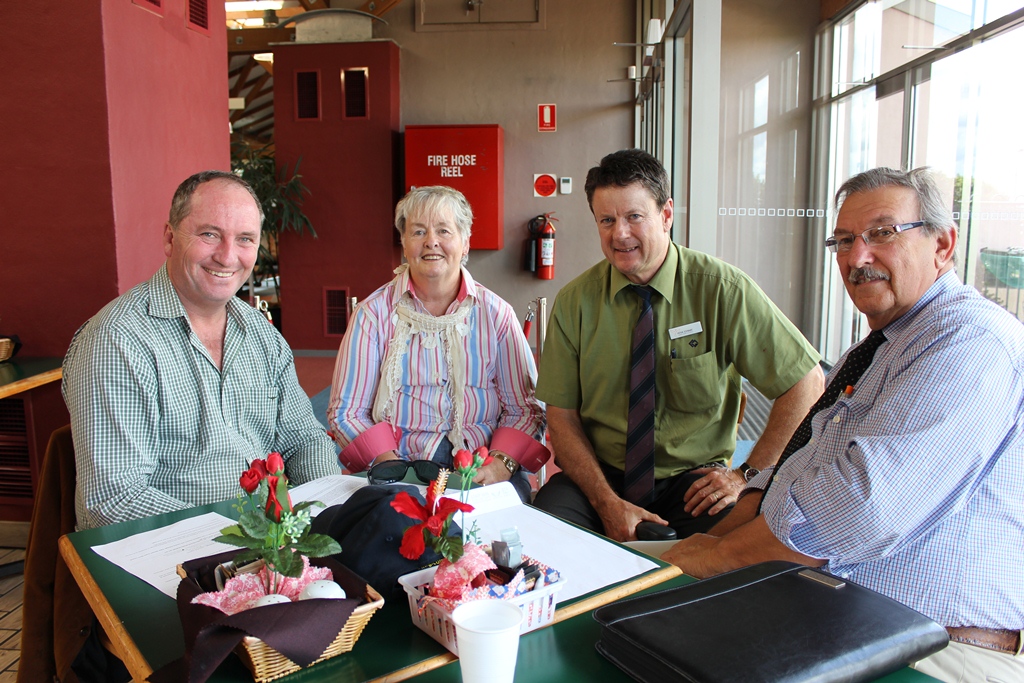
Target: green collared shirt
x: 157, y: 427
x: 712, y: 324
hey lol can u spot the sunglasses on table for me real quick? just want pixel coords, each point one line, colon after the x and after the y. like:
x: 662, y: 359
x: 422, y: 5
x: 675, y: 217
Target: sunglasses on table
x: 390, y: 471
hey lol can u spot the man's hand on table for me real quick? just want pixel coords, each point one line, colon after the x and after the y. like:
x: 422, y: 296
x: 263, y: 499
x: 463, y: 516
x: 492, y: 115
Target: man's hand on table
x: 713, y: 492
x: 695, y: 555
x: 620, y: 518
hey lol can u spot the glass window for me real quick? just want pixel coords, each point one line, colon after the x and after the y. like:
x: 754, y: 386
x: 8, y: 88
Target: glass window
x: 894, y: 99
x: 967, y: 123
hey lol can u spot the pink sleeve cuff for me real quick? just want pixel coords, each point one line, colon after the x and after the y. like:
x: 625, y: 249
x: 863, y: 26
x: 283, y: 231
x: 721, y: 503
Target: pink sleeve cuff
x: 528, y: 452
x: 378, y: 439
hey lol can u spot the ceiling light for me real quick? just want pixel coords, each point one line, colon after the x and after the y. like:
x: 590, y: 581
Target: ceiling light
x: 253, y: 5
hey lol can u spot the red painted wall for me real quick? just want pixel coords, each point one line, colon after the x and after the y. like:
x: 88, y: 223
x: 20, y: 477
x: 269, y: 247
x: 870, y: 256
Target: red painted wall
x: 167, y: 95
x: 106, y: 108
x: 351, y: 170
x: 57, y: 261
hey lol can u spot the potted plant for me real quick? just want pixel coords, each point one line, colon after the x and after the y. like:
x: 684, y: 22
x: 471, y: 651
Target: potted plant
x: 282, y: 194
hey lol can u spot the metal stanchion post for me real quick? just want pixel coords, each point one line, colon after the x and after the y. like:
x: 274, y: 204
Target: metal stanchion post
x: 541, y: 305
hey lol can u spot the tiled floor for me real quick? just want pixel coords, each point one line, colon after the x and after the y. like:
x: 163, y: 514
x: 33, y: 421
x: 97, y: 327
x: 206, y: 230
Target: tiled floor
x: 10, y: 617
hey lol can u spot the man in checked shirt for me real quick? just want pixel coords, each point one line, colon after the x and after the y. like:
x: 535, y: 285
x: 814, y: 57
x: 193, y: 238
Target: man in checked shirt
x: 908, y: 480
x: 177, y: 385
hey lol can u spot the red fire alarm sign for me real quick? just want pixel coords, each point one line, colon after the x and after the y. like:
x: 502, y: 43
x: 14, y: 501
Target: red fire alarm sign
x: 546, y: 118
x: 544, y: 185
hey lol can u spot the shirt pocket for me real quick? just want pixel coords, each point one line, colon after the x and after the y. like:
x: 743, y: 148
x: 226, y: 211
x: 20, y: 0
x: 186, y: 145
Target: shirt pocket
x: 693, y: 385
x: 258, y: 414
x: 844, y: 417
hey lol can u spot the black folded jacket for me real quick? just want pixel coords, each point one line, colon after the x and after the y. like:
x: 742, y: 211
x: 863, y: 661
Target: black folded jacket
x: 775, y: 622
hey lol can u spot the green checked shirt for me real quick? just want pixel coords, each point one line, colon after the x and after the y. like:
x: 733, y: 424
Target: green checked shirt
x: 157, y: 427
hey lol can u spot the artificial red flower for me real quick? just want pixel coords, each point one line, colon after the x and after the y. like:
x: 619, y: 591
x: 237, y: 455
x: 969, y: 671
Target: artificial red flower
x: 483, y: 454
x: 463, y: 460
x: 433, y: 517
x: 251, y: 478
x: 275, y: 463
x: 274, y: 505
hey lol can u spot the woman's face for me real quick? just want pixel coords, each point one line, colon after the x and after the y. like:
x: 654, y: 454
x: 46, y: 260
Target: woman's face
x: 434, y: 248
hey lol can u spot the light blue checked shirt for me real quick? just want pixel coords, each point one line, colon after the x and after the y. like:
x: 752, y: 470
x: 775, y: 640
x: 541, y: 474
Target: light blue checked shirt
x: 914, y: 484
x: 157, y: 427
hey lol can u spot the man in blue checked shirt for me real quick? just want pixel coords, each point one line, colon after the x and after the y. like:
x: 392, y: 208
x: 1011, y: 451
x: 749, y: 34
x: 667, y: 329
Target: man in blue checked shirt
x: 177, y: 385
x: 908, y: 480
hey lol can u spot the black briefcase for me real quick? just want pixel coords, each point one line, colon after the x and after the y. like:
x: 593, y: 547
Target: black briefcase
x: 776, y: 622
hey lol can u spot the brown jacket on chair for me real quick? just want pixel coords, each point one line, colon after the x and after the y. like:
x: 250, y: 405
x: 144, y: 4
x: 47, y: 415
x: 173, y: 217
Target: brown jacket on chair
x: 56, y: 619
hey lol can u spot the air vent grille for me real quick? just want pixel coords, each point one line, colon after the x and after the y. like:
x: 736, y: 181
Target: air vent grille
x: 354, y: 86
x: 199, y: 13
x: 335, y: 312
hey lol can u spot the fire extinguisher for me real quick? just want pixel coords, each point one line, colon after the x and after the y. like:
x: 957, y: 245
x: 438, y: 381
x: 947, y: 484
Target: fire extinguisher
x: 542, y: 246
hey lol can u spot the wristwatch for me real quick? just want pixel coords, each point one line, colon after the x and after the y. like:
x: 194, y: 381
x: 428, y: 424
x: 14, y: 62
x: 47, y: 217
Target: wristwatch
x: 748, y: 472
x: 511, y: 465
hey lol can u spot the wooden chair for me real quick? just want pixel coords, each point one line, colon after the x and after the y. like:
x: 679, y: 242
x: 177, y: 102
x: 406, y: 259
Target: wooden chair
x: 56, y: 619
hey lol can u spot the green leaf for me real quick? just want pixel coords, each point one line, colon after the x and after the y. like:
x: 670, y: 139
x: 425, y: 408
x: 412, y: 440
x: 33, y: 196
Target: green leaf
x: 254, y: 524
x: 318, y: 545
x: 232, y: 530
x: 307, y: 504
x: 285, y: 562
x: 240, y: 541
x: 247, y: 556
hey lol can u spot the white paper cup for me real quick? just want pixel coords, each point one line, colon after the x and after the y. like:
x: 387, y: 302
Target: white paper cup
x: 487, y: 632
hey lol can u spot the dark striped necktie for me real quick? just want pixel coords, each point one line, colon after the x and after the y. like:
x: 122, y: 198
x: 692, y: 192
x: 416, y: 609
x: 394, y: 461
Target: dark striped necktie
x: 857, y: 361
x: 638, y: 482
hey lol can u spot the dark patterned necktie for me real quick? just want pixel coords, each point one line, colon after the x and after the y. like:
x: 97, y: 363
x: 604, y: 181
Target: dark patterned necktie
x: 857, y: 361
x: 638, y: 482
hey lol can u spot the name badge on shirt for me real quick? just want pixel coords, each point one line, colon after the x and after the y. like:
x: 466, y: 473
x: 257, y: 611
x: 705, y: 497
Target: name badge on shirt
x: 685, y: 330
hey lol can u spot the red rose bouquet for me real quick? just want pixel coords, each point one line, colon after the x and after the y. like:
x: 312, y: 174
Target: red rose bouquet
x: 274, y: 530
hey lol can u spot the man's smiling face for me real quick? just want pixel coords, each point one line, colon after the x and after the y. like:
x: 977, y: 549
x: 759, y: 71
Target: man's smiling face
x: 213, y: 250
x: 886, y: 280
x: 633, y: 229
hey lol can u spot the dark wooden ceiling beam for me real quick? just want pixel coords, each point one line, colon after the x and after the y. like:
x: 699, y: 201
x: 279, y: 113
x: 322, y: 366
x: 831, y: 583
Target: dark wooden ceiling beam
x: 378, y: 7
x: 239, y: 114
x: 254, y: 92
x: 240, y: 83
x: 261, y: 128
x: 255, y: 123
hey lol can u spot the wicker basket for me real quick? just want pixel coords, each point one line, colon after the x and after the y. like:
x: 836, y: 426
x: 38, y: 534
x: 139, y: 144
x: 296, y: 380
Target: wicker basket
x: 267, y: 664
x: 6, y: 349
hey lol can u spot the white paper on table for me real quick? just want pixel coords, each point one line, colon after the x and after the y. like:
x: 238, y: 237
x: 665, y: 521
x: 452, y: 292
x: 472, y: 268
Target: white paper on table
x: 587, y: 562
x: 153, y: 556
x: 332, y: 490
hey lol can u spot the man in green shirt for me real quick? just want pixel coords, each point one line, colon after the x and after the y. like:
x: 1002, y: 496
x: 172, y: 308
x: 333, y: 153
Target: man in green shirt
x: 711, y: 325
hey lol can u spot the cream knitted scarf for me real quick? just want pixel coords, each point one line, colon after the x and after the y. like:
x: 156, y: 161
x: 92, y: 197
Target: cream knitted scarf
x: 448, y: 329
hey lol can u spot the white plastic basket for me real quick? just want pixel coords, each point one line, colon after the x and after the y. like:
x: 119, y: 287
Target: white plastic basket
x: 538, y: 608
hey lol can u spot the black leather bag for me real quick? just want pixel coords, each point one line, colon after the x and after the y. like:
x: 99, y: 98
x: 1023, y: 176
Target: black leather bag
x: 775, y: 622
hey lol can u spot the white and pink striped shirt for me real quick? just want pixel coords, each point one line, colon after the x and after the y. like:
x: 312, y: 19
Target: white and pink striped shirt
x: 499, y: 409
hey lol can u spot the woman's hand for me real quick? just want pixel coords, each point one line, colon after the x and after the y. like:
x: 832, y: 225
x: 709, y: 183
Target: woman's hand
x: 388, y: 455
x: 492, y: 473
